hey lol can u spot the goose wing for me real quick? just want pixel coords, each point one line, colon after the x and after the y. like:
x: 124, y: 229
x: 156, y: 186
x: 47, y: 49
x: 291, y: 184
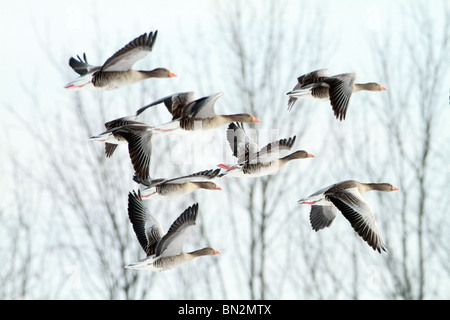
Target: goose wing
x: 139, y: 140
x: 241, y: 145
x: 203, y: 107
x: 322, y: 216
x: 199, y: 176
x: 273, y: 150
x: 310, y: 78
x: 81, y: 66
x: 147, y: 229
x: 134, y: 51
x: 175, y: 103
x: 173, y: 241
x: 119, y: 122
x: 340, y: 91
x: 360, y: 215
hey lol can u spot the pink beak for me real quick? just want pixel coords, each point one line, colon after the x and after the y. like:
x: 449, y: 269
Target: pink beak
x: 309, y: 202
x: 225, y: 166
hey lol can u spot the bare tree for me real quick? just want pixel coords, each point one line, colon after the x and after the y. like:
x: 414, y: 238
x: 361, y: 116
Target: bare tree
x: 73, y: 220
x: 17, y: 230
x: 409, y: 119
x: 256, y: 55
x: 86, y: 224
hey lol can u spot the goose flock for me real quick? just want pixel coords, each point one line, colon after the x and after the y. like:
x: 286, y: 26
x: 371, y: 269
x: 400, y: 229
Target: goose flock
x: 164, y: 251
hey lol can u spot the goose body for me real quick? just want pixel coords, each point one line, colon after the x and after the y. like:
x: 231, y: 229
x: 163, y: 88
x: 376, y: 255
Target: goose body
x: 154, y: 264
x: 251, y: 170
x: 117, y: 71
x: 254, y: 170
x: 162, y: 189
x: 164, y: 250
x: 346, y: 197
x: 193, y: 115
x: 337, y: 89
x: 254, y: 161
x: 168, y: 191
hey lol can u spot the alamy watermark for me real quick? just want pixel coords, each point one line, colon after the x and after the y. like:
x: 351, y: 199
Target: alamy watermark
x: 215, y: 145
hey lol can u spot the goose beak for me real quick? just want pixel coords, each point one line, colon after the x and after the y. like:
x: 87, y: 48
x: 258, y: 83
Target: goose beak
x: 254, y: 119
x: 308, y: 202
x: 225, y: 166
x: 383, y: 88
x: 395, y: 188
x: 218, y: 188
x: 217, y: 252
x: 310, y: 155
x: 171, y: 74
x: 96, y: 138
x: 293, y: 93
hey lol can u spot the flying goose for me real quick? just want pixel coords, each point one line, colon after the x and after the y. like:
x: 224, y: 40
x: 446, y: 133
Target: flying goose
x: 190, y: 114
x: 254, y: 161
x: 115, y: 140
x: 346, y: 197
x: 338, y: 89
x: 159, y: 189
x: 164, y: 251
x: 117, y: 71
x: 138, y: 137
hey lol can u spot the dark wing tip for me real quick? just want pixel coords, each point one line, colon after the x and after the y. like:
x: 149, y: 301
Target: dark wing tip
x: 134, y: 195
x: 339, y: 97
x: 188, y: 216
x: 359, y: 225
x: 191, y: 213
x: 194, y: 211
x: 109, y: 149
x: 232, y: 126
x: 317, y: 218
x: 235, y: 126
x: 138, y: 214
x: 291, y: 102
x: 79, y: 65
x: 155, y: 33
x: 146, y: 182
x: 151, y: 39
x: 291, y: 141
x: 145, y: 40
x: 215, y: 173
x: 288, y: 143
x: 212, y: 173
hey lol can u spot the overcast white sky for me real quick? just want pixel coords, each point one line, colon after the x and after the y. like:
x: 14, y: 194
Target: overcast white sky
x: 25, y: 23
x: 68, y: 28
x: 62, y: 22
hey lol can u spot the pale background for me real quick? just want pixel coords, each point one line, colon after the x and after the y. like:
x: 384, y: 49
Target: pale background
x: 64, y: 230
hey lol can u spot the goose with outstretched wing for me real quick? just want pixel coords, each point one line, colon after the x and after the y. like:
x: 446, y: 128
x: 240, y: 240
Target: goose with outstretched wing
x: 164, y: 250
x: 117, y: 71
